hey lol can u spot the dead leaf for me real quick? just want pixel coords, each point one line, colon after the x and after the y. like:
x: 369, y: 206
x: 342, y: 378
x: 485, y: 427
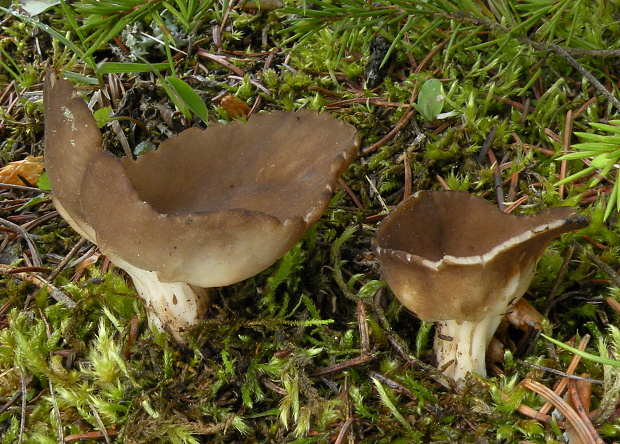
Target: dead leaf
x: 234, y: 107
x: 522, y: 315
x: 91, y: 260
x: 29, y: 169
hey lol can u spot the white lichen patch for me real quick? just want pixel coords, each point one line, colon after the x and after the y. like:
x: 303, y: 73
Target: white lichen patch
x: 69, y: 116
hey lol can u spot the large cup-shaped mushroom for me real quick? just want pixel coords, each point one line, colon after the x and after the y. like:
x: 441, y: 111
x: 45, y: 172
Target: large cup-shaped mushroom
x: 455, y: 259
x: 206, y: 209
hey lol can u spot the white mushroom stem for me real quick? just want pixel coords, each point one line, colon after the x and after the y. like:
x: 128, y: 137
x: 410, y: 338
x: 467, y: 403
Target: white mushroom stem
x: 171, y: 306
x: 461, y: 347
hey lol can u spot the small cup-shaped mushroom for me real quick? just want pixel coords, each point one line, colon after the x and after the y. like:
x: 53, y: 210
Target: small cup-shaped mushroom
x: 206, y: 209
x: 455, y: 259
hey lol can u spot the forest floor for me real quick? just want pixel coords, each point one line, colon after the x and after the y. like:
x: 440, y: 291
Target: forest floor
x: 317, y: 348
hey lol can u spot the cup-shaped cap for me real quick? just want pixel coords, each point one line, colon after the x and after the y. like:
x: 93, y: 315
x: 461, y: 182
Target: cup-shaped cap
x: 209, y: 207
x: 454, y: 256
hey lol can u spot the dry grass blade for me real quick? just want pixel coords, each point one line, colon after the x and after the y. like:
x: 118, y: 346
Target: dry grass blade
x: 563, y: 407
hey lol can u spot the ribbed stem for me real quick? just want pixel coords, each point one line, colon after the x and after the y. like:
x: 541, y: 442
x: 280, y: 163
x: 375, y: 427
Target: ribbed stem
x: 461, y: 347
x: 172, y: 306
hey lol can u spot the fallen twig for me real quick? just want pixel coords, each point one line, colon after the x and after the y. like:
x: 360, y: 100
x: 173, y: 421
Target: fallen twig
x: 66, y: 259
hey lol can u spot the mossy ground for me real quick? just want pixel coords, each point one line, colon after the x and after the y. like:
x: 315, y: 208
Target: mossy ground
x: 283, y: 356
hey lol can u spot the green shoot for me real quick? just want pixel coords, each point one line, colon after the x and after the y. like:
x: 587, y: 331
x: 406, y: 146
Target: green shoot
x: 604, y: 152
x: 188, y: 97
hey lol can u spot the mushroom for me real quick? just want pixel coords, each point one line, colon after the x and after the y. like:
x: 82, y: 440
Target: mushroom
x: 455, y: 259
x: 206, y: 209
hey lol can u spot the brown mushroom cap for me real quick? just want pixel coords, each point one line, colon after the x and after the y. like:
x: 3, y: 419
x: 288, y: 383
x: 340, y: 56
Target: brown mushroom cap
x: 71, y: 138
x: 454, y: 256
x: 210, y: 207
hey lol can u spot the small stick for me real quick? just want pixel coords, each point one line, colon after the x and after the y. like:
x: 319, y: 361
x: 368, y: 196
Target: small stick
x: 358, y: 360
x: 529, y: 411
x: 559, y: 373
x: 14, y: 399
x: 66, y: 259
x: 22, y: 424
x: 391, y: 384
x: 553, y: 136
x: 584, y: 107
x: 225, y: 18
x: 344, y: 430
x: 595, y: 243
x: 510, y: 208
x: 593, y: 80
x: 367, y: 100
x: 220, y: 60
x: 350, y: 192
x: 120, y: 135
x: 273, y: 386
x: 430, y: 55
x: 24, y: 188
x: 526, y: 110
x: 87, y: 436
x: 532, y: 413
x: 486, y: 145
x: 99, y: 422
x: 40, y: 220
x: 376, y: 191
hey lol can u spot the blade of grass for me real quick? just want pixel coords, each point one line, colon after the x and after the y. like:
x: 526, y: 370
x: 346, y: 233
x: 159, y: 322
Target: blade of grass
x: 187, y: 94
x: 584, y: 355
